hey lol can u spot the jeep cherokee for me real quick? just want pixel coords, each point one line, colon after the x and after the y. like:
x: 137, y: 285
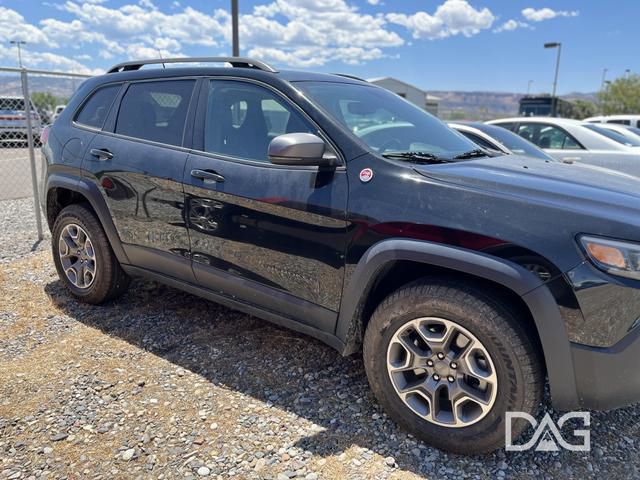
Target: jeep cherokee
x: 336, y: 208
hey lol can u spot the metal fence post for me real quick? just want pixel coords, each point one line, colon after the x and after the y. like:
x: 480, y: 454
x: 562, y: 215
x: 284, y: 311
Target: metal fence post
x: 32, y: 154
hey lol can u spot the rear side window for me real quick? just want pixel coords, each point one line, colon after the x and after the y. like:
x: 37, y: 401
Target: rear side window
x: 478, y: 140
x: 94, y: 111
x: 155, y: 111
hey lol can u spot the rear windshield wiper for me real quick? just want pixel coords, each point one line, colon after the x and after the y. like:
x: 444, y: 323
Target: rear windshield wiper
x: 416, y: 157
x: 471, y: 154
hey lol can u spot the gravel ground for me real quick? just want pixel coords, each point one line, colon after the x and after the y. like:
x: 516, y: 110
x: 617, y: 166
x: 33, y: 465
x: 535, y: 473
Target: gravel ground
x: 162, y: 384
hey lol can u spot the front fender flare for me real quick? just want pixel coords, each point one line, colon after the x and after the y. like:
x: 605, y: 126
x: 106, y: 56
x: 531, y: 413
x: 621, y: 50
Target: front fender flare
x: 541, y: 303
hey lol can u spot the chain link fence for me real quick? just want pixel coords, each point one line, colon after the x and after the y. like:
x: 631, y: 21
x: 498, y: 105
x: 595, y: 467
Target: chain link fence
x: 22, y: 123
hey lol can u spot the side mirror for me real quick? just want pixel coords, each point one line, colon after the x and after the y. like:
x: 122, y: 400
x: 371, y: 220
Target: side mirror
x: 303, y: 149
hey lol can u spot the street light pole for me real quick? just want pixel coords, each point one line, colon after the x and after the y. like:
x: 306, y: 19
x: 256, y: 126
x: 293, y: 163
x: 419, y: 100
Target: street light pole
x: 234, y: 28
x: 602, y: 84
x: 529, y: 87
x: 18, y: 43
x: 557, y: 45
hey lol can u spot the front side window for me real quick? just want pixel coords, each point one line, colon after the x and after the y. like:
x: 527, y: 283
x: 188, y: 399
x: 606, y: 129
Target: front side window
x: 155, y: 111
x: 243, y: 118
x: 385, y: 122
x: 547, y: 136
x: 94, y: 111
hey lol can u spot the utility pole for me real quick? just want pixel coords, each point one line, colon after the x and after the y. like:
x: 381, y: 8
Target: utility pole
x: 557, y: 45
x: 234, y: 28
x: 18, y: 43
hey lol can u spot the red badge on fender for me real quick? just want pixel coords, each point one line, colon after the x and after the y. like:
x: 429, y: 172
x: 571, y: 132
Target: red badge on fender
x: 366, y: 175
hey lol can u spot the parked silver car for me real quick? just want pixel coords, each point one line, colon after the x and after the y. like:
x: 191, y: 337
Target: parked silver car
x: 498, y: 139
x: 13, y: 120
x: 573, y: 141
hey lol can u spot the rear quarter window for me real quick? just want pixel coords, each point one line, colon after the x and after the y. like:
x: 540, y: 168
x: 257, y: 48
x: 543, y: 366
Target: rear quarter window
x: 155, y: 111
x: 93, y: 112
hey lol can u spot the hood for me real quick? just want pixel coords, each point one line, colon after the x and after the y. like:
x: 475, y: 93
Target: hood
x: 546, y: 181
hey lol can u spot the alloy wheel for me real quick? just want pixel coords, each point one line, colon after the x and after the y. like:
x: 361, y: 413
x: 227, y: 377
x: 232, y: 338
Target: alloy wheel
x: 77, y: 256
x: 442, y: 372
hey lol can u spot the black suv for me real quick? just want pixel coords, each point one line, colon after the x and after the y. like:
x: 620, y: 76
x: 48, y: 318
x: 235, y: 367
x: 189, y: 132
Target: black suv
x: 336, y: 208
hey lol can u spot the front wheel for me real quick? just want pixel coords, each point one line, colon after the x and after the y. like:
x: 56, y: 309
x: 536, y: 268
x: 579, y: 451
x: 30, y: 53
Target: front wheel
x: 446, y: 361
x: 83, y: 257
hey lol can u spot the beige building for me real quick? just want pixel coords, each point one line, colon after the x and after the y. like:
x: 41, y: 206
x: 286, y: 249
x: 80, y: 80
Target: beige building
x: 412, y: 93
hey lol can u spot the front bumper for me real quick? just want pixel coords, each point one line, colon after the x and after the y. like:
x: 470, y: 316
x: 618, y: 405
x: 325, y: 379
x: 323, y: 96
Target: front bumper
x: 608, y: 378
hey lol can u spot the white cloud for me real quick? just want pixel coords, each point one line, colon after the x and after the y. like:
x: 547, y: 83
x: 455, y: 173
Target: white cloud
x: 453, y: 17
x: 303, y: 33
x: 542, y: 14
x: 511, y: 25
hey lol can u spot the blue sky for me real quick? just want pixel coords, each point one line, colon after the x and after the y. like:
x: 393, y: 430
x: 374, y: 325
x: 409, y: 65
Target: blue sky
x: 435, y: 44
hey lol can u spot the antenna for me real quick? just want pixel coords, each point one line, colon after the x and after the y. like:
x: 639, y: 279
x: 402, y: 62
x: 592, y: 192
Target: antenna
x: 160, y: 54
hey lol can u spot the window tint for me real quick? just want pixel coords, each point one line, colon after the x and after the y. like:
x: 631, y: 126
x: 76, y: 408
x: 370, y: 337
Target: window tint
x: 243, y: 118
x: 547, y: 136
x: 620, y: 122
x: 94, y: 111
x: 155, y: 111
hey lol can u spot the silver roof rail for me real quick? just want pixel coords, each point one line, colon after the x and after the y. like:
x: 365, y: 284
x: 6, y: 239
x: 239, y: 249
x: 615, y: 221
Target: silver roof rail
x: 239, y: 62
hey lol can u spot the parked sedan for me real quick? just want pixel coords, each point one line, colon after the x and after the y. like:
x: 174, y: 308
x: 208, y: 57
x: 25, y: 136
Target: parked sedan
x: 571, y: 141
x: 498, y: 139
x: 13, y: 120
x: 631, y: 134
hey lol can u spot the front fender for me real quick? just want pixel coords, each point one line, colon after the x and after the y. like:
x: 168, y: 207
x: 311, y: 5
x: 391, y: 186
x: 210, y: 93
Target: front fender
x: 541, y: 303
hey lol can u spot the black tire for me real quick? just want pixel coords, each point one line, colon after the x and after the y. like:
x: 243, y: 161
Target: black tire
x: 110, y: 280
x: 518, y: 367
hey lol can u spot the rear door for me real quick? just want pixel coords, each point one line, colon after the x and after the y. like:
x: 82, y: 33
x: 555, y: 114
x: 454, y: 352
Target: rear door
x: 138, y: 162
x: 268, y: 235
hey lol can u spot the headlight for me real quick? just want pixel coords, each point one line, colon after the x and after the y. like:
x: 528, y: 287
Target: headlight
x: 613, y: 256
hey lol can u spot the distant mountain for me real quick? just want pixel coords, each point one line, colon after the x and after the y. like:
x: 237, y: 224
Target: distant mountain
x: 59, y: 86
x: 486, y: 105
x: 471, y: 105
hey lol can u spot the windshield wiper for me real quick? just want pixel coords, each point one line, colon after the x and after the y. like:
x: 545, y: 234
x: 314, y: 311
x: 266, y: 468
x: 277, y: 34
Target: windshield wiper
x: 416, y: 157
x: 471, y: 154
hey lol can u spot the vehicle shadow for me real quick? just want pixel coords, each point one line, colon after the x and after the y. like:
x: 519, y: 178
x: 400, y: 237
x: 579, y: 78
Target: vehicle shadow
x: 295, y: 373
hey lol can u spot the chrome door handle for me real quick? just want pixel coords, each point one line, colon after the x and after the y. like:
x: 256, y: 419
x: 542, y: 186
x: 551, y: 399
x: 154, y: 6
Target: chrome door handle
x: 101, y: 153
x: 207, y: 175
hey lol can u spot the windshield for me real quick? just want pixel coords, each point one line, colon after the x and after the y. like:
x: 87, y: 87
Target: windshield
x: 384, y: 121
x: 513, y: 142
x: 615, y: 136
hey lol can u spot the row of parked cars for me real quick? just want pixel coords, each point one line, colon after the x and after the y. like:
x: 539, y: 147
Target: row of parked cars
x: 599, y: 141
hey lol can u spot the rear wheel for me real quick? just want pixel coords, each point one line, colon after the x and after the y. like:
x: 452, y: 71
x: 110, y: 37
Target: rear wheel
x: 83, y: 257
x: 446, y: 361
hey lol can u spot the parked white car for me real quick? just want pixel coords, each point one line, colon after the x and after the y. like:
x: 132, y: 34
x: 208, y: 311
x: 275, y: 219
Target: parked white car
x: 630, y: 120
x: 631, y: 134
x: 57, y: 111
x: 573, y: 141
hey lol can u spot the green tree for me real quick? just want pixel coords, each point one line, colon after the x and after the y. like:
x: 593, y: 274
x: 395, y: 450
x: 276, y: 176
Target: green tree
x: 621, y: 96
x: 45, y: 101
x: 584, y: 109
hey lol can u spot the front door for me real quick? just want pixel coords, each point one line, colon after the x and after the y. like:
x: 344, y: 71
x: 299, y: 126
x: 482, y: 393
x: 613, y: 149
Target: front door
x: 268, y: 235
x: 139, y: 166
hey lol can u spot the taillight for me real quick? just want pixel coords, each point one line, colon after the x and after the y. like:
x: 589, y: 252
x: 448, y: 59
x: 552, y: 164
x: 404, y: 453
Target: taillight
x: 44, y: 135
